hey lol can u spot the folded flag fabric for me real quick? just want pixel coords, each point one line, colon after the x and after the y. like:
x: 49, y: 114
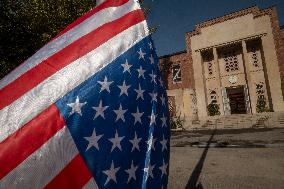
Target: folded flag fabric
x: 89, y: 109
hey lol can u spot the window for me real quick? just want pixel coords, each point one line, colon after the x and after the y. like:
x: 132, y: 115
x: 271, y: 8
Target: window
x: 213, y: 97
x: 231, y: 61
x: 254, y: 57
x: 210, y: 68
x: 260, y: 90
x: 207, y: 58
x: 176, y: 73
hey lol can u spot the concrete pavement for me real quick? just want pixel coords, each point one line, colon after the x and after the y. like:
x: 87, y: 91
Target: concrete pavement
x: 227, y: 167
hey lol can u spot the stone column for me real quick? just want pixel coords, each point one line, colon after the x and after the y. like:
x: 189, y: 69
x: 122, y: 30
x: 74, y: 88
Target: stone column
x: 250, y: 85
x: 199, y: 84
x: 272, y: 71
x: 218, y: 79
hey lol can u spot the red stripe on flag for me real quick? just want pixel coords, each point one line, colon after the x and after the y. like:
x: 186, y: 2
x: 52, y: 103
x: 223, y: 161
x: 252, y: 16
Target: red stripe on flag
x: 75, y: 50
x: 104, y: 5
x: 75, y: 175
x: 21, y: 144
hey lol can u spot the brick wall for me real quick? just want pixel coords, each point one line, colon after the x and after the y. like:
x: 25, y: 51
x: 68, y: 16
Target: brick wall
x: 181, y: 58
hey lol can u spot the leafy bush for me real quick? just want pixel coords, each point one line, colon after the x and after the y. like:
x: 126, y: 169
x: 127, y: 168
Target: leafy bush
x: 261, y: 105
x: 213, y: 109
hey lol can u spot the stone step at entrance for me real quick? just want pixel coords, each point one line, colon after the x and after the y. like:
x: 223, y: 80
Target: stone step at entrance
x: 261, y: 120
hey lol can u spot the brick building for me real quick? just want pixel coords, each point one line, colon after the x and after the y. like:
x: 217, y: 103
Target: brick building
x: 232, y: 61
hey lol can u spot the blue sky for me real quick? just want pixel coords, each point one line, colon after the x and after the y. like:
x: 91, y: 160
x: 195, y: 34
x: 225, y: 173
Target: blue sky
x: 176, y: 17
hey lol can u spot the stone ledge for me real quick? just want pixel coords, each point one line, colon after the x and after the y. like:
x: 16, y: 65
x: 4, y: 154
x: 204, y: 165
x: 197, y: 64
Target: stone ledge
x: 251, y: 10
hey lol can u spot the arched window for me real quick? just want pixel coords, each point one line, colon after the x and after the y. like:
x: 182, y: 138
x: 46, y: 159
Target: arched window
x: 213, y: 97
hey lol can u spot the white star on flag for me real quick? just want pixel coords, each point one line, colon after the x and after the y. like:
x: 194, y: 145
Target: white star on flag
x: 135, y: 143
x: 100, y: 110
x: 149, y: 171
x: 163, y: 169
x: 141, y: 54
x: 126, y: 67
x: 137, y: 115
x: 123, y: 89
x: 153, y: 77
x: 76, y: 107
x: 152, y: 59
x: 141, y: 72
x: 151, y: 46
x: 163, y: 99
x: 120, y: 113
x: 164, y: 144
x: 105, y: 84
x: 131, y: 172
x: 93, y: 140
x: 164, y: 120
x: 153, y: 96
x: 111, y: 173
x: 139, y: 93
x: 116, y: 141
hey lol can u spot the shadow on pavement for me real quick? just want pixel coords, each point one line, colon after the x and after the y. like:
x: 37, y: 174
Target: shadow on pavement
x: 192, y: 182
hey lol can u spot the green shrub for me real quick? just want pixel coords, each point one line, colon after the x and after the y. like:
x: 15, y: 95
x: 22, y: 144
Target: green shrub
x: 261, y: 105
x: 213, y: 109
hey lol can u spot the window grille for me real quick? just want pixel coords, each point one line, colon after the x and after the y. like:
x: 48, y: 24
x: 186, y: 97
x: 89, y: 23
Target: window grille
x: 231, y: 61
x: 260, y: 91
x: 210, y: 68
x: 254, y: 57
x: 176, y: 73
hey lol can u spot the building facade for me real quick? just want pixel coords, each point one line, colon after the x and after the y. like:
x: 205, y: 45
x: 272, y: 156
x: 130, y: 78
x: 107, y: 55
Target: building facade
x: 235, y: 61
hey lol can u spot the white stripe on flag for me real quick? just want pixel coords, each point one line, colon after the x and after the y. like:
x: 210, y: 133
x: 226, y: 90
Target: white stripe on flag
x: 91, y: 184
x: 44, y: 164
x: 56, y: 86
x: 90, y: 24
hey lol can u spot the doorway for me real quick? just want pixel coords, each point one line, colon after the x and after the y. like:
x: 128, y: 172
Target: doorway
x: 237, y: 100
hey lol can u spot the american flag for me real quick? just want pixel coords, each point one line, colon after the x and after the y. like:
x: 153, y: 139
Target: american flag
x: 88, y: 110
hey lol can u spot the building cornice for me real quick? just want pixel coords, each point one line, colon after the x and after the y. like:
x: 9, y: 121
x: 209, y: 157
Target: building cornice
x: 251, y: 10
x: 234, y: 41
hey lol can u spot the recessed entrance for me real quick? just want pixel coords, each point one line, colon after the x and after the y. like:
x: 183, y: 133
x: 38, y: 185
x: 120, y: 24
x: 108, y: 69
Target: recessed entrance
x: 237, y: 100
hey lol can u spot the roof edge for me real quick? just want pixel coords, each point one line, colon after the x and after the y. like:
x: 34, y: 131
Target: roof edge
x: 173, y: 54
x: 249, y: 10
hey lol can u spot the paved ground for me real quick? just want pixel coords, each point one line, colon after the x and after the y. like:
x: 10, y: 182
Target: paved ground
x: 227, y: 159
